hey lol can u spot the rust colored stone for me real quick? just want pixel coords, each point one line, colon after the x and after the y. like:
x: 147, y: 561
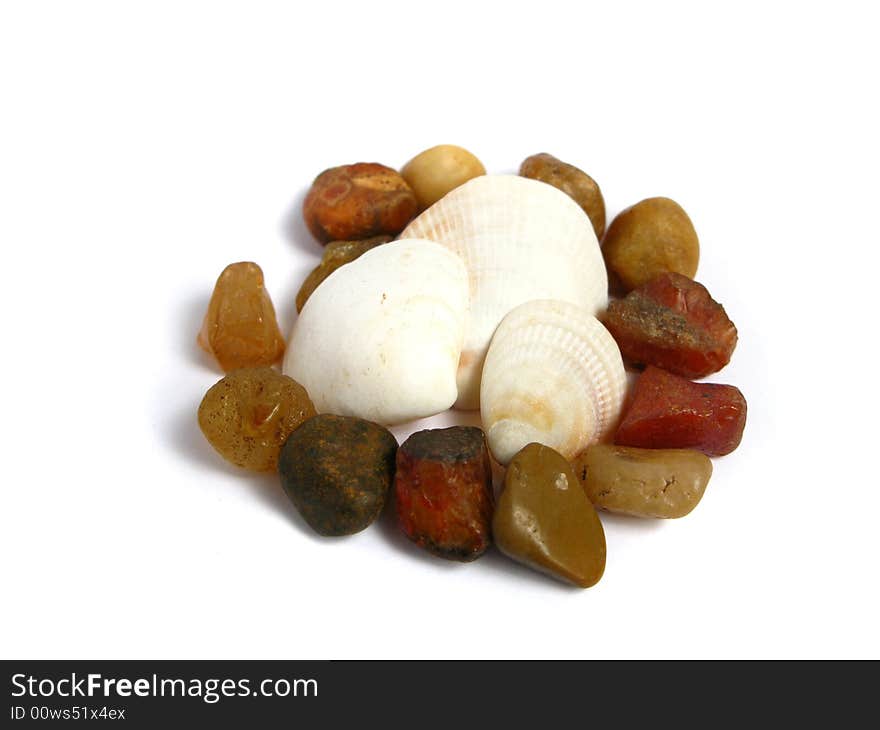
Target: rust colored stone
x: 663, y: 483
x: 672, y: 322
x: 240, y: 329
x: 357, y: 201
x: 670, y: 412
x: 443, y: 487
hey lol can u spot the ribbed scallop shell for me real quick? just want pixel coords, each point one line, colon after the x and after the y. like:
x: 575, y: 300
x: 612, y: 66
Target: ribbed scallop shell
x: 553, y: 375
x: 520, y: 240
x: 381, y: 337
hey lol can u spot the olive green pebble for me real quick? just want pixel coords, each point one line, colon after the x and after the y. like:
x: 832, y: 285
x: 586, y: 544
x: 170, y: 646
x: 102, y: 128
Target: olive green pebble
x: 337, y: 471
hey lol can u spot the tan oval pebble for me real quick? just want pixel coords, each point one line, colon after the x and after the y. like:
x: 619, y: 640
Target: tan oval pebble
x: 433, y: 173
x: 544, y: 520
x: 649, y: 238
x: 664, y: 483
x: 572, y: 181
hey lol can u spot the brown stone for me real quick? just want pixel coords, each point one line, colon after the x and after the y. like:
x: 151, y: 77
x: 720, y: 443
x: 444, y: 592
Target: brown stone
x: 337, y: 471
x: 544, y: 519
x: 651, y: 237
x: 664, y: 483
x: 575, y: 183
x: 248, y: 415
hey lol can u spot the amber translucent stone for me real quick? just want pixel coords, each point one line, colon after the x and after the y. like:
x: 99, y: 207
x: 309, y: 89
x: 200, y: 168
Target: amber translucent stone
x: 240, y: 328
x: 248, y: 415
x: 336, y: 254
x: 672, y: 322
x: 443, y: 487
x: 670, y: 412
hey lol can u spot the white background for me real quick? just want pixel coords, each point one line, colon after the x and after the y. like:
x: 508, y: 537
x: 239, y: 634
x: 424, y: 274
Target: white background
x: 146, y: 145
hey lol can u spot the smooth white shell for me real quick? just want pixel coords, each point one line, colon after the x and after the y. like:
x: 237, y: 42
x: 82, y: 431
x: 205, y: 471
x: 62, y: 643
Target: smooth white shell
x: 553, y: 375
x: 521, y: 240
x: 381, y: 337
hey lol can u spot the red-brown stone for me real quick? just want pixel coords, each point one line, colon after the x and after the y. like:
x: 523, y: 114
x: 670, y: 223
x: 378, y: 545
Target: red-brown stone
x: 672, y: 322
x: 670, y: 412
x: 443, y: 487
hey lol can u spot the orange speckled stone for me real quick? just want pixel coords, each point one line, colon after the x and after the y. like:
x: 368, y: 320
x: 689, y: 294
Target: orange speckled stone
x: 357, y: 201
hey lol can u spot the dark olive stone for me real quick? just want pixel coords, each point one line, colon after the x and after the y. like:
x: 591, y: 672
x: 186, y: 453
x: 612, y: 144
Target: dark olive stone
x: 337, y: 471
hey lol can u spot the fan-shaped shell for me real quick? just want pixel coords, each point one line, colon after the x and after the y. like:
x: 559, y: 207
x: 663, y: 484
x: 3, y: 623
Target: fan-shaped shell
x: 553, y: 375
x: 381, y: 337
x: 521, y: 240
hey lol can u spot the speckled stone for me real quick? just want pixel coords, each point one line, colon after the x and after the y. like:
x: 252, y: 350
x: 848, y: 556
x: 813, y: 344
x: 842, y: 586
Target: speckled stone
x: 337, y: 470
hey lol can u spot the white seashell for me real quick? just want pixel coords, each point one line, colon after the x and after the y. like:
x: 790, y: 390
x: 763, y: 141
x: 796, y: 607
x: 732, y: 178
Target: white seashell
x: 554, y: 376
x: 381, y: 337
x: 521, y: 240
